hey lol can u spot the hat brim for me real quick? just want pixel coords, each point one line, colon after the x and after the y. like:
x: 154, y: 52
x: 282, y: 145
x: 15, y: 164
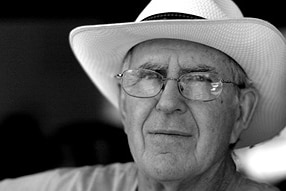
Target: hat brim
x: 255, y: 44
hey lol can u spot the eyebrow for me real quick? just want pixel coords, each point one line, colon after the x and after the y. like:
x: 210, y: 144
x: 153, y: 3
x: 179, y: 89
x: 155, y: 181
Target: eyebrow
x: 163, y: 68
x: 153, y: 66
x: 198, y: 68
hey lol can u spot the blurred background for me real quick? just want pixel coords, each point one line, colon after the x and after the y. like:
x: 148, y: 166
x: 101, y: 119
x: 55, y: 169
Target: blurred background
x: 51, y: 115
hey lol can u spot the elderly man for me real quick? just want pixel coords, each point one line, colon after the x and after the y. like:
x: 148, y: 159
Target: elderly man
x: 193, y: 80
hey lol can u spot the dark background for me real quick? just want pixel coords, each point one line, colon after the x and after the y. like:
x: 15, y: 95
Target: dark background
x: 51, y: 115
x: 124, y: 10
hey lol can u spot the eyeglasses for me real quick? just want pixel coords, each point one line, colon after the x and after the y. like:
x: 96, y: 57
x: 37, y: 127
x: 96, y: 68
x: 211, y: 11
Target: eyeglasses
x: 145, y: 83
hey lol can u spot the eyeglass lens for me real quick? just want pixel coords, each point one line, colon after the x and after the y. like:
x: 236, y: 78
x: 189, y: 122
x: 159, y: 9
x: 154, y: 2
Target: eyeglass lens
x: 146, y: 83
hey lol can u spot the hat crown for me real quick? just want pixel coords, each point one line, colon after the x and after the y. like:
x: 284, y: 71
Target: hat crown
x: 208, y: 9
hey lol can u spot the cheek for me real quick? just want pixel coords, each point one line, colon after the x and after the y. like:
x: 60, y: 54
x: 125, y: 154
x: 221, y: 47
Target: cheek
x: 215, y: 121
x: 137, y: 112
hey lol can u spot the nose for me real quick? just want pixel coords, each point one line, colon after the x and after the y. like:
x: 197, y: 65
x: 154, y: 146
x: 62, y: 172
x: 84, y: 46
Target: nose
x: 170, y: 99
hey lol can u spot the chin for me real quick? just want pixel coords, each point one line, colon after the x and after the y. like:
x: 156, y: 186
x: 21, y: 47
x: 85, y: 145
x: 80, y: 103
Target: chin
x: 167, y: 175
x: 166, y: 169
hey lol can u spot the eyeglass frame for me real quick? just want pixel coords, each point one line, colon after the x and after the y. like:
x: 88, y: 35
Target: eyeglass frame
x: 164, y: 80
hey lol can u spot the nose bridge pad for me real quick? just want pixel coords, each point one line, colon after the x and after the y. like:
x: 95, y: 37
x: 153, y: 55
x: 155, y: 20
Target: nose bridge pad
x: 171, y: 79
x: 170, y: 99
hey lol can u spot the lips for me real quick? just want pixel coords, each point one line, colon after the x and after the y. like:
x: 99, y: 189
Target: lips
x: 170, y: 133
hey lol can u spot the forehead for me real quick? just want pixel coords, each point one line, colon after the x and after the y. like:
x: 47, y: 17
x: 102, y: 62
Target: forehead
x: 181, y: 53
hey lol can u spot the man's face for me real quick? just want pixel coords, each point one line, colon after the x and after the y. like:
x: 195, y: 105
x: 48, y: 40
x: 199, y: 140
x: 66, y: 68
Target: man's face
x: 171, y: 137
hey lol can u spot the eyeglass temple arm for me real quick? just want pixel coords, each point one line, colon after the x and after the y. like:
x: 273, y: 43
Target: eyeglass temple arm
x: 241, y: 86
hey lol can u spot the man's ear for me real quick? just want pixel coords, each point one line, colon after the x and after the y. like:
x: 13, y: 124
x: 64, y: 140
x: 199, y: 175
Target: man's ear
x: 248, y: 100
x: 122, y: 106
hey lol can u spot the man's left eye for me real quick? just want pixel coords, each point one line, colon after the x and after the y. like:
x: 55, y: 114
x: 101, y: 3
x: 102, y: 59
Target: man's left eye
x: 202, y: 78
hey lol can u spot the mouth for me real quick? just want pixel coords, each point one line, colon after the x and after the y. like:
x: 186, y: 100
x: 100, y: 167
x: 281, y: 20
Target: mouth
x: 170, y: 133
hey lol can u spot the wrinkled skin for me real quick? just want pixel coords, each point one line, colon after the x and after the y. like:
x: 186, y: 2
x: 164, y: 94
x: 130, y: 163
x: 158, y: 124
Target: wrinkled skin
x: 179, y: 143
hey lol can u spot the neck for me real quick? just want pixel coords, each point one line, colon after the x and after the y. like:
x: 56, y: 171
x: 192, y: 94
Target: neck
x: 216, y: 178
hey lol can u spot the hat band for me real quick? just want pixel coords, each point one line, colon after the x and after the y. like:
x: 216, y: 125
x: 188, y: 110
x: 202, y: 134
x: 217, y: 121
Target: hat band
x: 171, y: 15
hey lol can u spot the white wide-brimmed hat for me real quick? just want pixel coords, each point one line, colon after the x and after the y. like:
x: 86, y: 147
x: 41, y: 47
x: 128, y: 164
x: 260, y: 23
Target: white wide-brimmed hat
x: 255, y: 44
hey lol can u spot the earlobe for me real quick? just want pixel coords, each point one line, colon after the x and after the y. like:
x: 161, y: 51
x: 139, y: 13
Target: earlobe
x: 248, y: 100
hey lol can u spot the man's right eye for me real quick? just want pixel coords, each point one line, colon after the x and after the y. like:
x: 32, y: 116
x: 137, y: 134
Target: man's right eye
x: 148, y: 75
